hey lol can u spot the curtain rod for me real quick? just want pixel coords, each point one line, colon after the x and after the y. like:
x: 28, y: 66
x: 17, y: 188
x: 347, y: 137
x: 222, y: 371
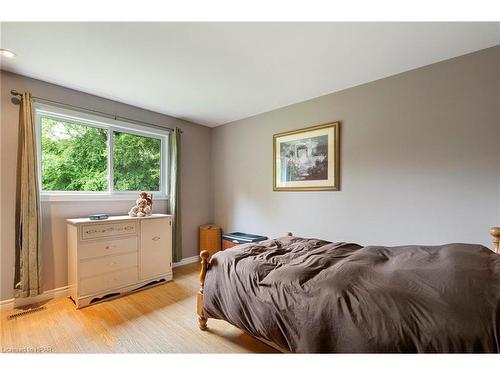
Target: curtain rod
x: 92, y: 111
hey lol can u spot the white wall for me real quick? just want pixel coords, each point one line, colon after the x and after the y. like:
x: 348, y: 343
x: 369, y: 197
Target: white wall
x: 196, y: 195
x: 420, y: 161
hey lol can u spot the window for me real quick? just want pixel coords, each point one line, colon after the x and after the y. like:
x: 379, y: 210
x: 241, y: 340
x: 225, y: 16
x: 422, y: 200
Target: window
x: 83, y: 155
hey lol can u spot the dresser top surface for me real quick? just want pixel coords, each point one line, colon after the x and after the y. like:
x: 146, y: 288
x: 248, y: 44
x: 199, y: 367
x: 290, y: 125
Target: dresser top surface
x: 86, y: 220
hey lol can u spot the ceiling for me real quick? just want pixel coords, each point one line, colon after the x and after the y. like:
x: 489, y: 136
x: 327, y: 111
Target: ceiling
x: 215, y: 73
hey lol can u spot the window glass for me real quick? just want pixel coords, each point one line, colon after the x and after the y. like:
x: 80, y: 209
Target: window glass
x: 74, y: 156
x: 136, y: 162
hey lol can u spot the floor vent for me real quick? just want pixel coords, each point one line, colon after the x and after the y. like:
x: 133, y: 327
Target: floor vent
x: 27, y: 312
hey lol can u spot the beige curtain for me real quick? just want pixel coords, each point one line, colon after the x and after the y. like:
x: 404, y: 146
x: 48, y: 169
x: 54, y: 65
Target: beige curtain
x: 27, y: 280
x: 174, y: 193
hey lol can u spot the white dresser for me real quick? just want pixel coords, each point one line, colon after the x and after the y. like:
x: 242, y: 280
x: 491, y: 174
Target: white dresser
x: 108, y: 258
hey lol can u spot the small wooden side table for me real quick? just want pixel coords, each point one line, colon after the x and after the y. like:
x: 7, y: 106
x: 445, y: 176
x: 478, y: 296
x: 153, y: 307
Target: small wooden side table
x: 210, y: 238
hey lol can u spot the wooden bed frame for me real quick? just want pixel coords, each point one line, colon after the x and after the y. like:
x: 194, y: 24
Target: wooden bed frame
x: 205, y: 255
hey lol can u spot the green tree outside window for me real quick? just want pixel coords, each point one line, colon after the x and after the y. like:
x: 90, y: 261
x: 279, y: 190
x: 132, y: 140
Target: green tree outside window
x: 75, y: 158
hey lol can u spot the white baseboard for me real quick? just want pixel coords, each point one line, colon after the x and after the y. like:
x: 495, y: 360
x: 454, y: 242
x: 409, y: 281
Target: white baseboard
x: 9, y: 304
x: 193, y: 259
x: 12, y: 303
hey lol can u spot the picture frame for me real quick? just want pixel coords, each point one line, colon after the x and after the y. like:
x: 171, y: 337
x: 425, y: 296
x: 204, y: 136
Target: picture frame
x: 307, y: 159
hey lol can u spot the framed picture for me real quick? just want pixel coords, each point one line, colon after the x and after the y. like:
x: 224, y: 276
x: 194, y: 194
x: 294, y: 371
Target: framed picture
x: 307, y: 159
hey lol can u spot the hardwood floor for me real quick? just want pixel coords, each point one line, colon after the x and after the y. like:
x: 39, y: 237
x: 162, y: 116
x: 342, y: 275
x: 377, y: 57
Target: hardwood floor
x: 157, y: 320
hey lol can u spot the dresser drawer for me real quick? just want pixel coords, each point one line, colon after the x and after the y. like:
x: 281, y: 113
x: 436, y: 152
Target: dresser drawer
x: 90, y: 231
x: 108, y: 281
x: 100, y: 266
x: 98, y: 248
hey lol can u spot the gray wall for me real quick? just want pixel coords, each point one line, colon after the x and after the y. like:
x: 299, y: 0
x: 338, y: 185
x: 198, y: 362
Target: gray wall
x: 196, y: 197
x: 420, y: 161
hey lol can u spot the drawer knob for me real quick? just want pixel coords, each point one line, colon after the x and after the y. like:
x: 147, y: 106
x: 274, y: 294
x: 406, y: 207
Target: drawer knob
x: 109, y: 247
x: 156, y: 238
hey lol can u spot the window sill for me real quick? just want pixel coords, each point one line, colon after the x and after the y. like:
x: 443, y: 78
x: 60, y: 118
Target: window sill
x: 44, y: 197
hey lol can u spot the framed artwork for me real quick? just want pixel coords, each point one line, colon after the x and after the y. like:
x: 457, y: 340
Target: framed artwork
x: 307, y: 159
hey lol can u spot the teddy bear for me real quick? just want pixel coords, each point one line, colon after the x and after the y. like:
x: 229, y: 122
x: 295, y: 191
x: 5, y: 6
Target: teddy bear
x: 142, y: 206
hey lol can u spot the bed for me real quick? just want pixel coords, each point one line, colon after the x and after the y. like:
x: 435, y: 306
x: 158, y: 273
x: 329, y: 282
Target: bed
x: 312, y: 296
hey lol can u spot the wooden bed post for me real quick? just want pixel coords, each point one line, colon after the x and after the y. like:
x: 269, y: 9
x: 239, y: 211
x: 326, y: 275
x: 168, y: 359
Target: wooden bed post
x: 495, y: 232
x: 202, y: 319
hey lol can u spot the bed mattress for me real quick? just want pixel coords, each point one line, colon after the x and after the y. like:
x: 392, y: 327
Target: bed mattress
x: 314, y: 296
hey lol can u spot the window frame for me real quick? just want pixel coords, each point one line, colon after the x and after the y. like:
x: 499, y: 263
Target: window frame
x: 111, y: 125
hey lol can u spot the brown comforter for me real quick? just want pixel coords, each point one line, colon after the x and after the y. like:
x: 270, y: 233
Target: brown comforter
x: 308, y: 295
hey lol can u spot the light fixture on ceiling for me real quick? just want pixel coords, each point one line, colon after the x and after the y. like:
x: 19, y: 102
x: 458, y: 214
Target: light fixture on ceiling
x: 7, y: 53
